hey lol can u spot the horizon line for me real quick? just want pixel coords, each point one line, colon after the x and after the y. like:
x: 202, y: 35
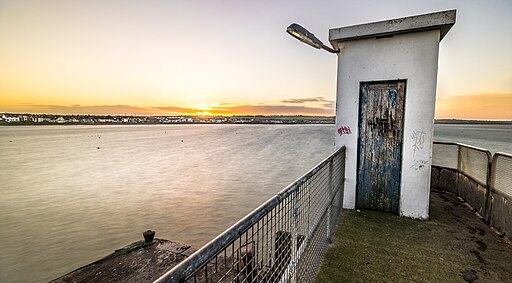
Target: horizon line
x: 227, y: 115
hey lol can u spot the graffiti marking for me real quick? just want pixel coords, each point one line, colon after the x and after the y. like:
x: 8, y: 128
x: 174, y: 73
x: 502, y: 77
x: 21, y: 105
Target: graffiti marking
x: 344, y: 130
x: 418, y: 137
x: 419, y: 164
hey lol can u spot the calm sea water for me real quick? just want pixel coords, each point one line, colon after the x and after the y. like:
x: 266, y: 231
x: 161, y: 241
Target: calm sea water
x: 65, y: 203
x: 72, y: 194
x: 495, y: 138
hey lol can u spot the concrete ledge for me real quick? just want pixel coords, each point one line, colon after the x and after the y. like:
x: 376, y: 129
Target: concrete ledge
x: 434, y: 177
x: 472, y: 192
x: 439, y: 20
x: 137, y: 262
x: 447, y: 180
x: 501, y: 214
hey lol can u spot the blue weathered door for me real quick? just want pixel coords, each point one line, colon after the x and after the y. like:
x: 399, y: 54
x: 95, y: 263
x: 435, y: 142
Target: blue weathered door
x: 381, y: 111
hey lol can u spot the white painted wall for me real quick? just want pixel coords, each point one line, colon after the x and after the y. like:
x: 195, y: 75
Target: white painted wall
x: 410, y: 56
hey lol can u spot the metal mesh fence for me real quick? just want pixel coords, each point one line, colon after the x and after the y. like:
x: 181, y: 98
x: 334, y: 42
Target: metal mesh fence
x: 502, y: 173
x: 311, y: 259
x: 471, y: 161
x: 489, y: 192
x: 283, y: 240
x: 445, y: 155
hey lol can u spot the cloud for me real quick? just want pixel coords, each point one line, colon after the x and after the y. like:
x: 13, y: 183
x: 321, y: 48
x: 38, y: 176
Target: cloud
x: 330, y: 104
x: 482, y: 106
x: 176, y: 109
x: 119, y: 109
x: 305, y: 100
x: 216, y: 109
x: 93, y: 110
x: 273, y: 110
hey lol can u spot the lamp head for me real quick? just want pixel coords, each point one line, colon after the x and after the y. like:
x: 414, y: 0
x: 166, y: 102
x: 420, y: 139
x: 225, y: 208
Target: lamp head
x: 307, y: 37
x: 304, y: 35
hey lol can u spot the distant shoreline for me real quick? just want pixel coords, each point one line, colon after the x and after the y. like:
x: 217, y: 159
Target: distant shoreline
x: 482, y: 122
x: 53, y: 119
x: 455, y: 122
x: 142, y: 124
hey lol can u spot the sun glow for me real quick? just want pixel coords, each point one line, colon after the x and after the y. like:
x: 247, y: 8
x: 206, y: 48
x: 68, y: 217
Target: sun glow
x: 201, y: 107
x: 203, y: 113
x: 206, y: 109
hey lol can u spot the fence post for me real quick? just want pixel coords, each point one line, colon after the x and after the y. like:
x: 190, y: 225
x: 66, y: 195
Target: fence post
x: 329, y: 208
x: 459, y: 166
x: 488, y: 202
x: 295, y: 232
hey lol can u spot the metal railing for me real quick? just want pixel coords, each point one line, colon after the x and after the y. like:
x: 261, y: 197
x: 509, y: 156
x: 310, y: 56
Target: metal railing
x: 483, y: 181
x: 283, y: 240
x: 473, y: 165
x: 501, y: 179
x: 473, y: 161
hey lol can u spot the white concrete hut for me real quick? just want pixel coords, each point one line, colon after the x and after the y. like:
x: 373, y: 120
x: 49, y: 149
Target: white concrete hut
x: 387, y: 76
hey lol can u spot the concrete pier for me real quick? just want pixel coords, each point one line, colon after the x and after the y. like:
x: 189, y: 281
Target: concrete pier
x: 454, y: 245
x: 137, y: 262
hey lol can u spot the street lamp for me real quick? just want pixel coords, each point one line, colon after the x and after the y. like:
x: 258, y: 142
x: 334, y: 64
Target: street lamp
x: 305, y: 36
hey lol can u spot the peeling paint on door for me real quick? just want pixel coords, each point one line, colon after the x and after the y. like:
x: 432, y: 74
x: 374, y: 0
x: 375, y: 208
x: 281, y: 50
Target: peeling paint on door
x: 381, y: 111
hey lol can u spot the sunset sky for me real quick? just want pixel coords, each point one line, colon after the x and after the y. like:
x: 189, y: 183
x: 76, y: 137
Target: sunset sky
x: 227, y: 57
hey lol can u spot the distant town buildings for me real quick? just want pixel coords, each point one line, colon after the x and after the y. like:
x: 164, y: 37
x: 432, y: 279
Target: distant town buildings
x: 46, y: 119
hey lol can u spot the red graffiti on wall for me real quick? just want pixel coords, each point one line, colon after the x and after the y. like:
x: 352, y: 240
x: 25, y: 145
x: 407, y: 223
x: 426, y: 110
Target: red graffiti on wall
x: 344, y: 131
